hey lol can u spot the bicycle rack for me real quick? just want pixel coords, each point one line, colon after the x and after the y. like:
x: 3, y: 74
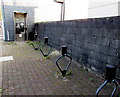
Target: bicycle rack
x: 110, y: 76
x: 36, y: 48
x: 46, y: 43
x: 64, y: 53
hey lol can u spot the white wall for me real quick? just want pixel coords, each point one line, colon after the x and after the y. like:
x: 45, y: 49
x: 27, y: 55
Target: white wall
x: 76, y: 9
x: 102, y: 8
x: 48, y: 10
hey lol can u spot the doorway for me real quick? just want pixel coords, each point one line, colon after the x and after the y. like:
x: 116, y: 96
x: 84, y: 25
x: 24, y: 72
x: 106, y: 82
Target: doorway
x: 20, y: 26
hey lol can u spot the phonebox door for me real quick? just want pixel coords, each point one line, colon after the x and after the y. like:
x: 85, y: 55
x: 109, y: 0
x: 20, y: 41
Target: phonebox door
x: 20, y: 25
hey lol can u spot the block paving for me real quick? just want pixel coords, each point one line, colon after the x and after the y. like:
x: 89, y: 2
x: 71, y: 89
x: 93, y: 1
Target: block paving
x: 29, y: 73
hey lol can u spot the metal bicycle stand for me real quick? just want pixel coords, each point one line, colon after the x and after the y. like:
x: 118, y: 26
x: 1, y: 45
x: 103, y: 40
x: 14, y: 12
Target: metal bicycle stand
x: 35, y: 37
x: 64, y: 53
x: 45, y: 43
x: 110, y: 76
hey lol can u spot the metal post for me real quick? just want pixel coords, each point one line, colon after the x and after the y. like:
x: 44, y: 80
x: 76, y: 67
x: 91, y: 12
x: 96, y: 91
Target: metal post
x: 62, y: 14
x: 46, y: 40
x: 110, y: 72
x: 63, y: 11
x: 61, y: 18
x: 3, y: 17
x: 64, y: 50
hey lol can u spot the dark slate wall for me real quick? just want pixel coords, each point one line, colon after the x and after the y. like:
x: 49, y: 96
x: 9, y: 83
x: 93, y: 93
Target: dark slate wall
x: 95, y: 42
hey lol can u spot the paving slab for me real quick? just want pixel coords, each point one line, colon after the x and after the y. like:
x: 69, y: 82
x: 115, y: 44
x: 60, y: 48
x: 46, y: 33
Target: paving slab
x: 29, y: 73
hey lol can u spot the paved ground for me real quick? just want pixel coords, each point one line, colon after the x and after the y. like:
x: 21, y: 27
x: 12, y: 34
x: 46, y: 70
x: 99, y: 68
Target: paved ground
x: 29, y: 73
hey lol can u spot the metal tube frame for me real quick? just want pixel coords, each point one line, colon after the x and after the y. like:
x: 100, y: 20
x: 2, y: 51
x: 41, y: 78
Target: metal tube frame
x: 65, y: 70
x: 104, y: 84
x: 36, y: 48
x: 45, y: 55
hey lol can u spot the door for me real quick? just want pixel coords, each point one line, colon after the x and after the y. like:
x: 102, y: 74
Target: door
x: 20, y: 26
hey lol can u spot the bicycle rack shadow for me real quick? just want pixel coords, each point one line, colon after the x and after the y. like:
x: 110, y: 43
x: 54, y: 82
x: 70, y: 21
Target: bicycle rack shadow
x: 110, y: 77
x: 35, y: 38
x: 45, y: 44
x: 64, y: 53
